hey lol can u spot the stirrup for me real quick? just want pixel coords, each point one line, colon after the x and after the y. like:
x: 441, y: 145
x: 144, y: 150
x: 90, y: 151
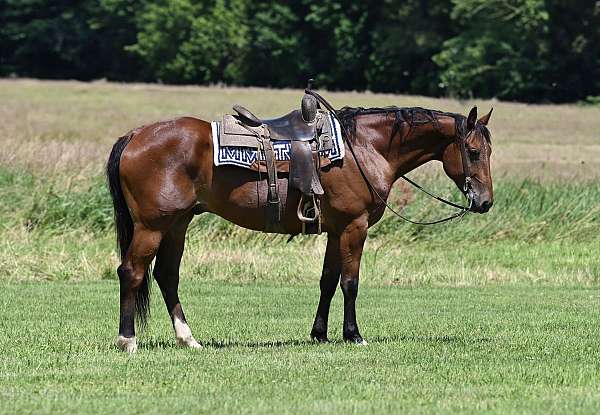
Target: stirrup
x: 305, y: 207
x: 314, y: 222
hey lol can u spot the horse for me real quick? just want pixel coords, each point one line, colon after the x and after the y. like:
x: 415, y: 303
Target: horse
x: 161, y: 175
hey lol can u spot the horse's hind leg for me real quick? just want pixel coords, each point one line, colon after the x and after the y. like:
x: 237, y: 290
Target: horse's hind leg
x: 134, y: 283
x: 166, y: 273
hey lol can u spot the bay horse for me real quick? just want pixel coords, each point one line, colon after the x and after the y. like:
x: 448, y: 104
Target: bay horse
x: 161, y: 175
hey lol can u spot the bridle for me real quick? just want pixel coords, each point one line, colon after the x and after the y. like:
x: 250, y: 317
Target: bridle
x: 467, y: 187
x: 466, y: 162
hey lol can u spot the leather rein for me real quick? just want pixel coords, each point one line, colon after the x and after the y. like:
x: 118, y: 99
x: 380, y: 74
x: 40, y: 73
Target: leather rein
x: 467, y: 189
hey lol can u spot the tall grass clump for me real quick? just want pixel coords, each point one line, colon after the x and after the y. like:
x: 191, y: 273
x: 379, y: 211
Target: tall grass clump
x: 523, y: 210
x: 60, y: 228
x: 54, y: 204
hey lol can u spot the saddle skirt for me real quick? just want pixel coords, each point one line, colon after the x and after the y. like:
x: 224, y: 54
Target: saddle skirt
x: 237, y: 144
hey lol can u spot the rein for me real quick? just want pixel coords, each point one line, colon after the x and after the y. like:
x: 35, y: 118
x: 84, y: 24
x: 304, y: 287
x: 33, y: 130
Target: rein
x: 466, y: 166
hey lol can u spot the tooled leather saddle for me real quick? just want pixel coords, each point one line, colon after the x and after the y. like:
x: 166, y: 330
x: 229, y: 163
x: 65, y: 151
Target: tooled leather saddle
x: 300, y: 128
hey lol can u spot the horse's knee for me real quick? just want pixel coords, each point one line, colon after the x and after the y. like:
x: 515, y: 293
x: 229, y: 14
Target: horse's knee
x: 129, y: 278
x: 123, y: 271
x: 349, y: 286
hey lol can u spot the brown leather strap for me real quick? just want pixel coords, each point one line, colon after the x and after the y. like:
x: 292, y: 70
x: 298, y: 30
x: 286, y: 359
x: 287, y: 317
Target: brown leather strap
x: 273, y: 201
x: 462, y: 144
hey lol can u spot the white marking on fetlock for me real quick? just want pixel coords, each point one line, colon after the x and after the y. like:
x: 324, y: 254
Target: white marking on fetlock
x: 126, y: 344
x: 183, y: 333
x: 189, y: 342
x: 363, y: 342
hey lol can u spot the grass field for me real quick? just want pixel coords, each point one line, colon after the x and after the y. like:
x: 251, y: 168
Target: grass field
x: 495, y: 313
x: 437, y: 350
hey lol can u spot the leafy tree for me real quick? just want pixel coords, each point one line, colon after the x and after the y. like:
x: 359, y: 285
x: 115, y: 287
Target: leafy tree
x: 217, y: 43
x: 500, y: 50
x: 530, y: 50
x: 277, y: 55
x: 404, y: 39
x: 113, y: 23
x: 162, y: 27
x: 183, y: 41
x: 66, y: 39
x: 574, y: 49
x: 339, y: 36
x: 46, y: 39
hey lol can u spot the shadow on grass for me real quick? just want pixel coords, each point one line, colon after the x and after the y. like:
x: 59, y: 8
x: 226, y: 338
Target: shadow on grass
x: 225, y: 343
x: 231, y: 343
x: 429, y: 339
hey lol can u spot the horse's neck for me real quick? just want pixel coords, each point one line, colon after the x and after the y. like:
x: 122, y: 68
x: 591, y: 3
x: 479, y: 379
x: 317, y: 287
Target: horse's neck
x: 387, y: 152
x: 412, y: 146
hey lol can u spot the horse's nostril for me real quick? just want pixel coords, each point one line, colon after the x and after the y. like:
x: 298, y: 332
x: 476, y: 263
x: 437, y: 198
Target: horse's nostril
x: 486, y: 205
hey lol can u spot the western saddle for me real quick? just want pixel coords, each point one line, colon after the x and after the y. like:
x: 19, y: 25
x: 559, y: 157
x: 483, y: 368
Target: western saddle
x: 300, y: 128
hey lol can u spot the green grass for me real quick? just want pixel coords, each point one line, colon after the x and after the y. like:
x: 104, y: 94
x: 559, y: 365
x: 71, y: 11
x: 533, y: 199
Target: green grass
x: 497, y: 349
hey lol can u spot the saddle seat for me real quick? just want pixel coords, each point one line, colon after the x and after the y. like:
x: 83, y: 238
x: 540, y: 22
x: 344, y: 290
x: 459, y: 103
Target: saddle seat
x: 290, y: 127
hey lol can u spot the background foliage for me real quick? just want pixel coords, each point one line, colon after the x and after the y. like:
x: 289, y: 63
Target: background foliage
x: 527, y: 50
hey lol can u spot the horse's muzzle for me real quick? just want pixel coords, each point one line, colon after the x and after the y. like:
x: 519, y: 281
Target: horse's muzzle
x: 481, y: 206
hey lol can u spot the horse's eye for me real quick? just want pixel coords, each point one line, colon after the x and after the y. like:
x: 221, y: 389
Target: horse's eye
x: 474, y: 154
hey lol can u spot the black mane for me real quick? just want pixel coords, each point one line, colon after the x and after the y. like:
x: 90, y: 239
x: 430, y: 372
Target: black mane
x: 412, y: 116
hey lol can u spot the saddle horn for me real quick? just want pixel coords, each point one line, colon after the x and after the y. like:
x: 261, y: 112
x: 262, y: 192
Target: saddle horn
x: 309, y: 104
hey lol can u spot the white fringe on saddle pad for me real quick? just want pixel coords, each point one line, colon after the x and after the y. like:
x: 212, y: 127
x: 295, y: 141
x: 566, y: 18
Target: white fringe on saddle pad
x: 246, y: 156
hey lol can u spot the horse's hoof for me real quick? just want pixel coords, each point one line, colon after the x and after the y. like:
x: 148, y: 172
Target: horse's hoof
x: 126, y: 344
x: 359, y: 341
x: 189, y: 342
x: 319, y: 339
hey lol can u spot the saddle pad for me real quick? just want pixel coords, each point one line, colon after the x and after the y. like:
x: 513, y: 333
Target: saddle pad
x: 252, y: 158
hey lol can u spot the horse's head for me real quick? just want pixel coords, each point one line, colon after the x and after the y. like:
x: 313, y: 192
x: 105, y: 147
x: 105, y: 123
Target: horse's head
x: 467, y: 161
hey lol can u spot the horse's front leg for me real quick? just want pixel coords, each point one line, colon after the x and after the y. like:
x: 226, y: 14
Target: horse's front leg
x: 352, y: 241
x: 329, y: 281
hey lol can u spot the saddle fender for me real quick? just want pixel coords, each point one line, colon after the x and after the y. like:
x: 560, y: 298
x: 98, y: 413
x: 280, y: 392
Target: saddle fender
x: 303, y: 173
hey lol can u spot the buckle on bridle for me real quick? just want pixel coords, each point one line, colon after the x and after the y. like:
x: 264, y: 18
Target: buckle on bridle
x: 468, y: 192
x: 467, y: 186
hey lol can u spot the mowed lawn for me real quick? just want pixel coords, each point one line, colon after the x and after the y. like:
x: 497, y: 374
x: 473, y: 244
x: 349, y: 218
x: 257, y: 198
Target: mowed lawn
x: 432, y: 350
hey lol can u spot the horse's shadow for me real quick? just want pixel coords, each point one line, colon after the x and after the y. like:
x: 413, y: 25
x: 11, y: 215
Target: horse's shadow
x: 226, y: 343
x: 269, y: 344
x: 401, y: 338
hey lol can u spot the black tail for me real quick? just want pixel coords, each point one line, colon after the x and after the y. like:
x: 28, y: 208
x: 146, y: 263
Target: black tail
x: 124, y: 223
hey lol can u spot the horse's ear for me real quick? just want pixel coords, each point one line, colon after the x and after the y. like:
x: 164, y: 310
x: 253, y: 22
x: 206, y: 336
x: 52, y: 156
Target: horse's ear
x: 486, y: 118
x: 471, y: 119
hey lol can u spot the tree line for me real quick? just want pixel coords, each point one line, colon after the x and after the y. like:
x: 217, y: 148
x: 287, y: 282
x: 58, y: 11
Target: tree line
x: 525, y: 50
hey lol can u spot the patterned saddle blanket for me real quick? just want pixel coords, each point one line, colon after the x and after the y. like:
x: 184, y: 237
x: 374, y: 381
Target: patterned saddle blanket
x: 236, y: 144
